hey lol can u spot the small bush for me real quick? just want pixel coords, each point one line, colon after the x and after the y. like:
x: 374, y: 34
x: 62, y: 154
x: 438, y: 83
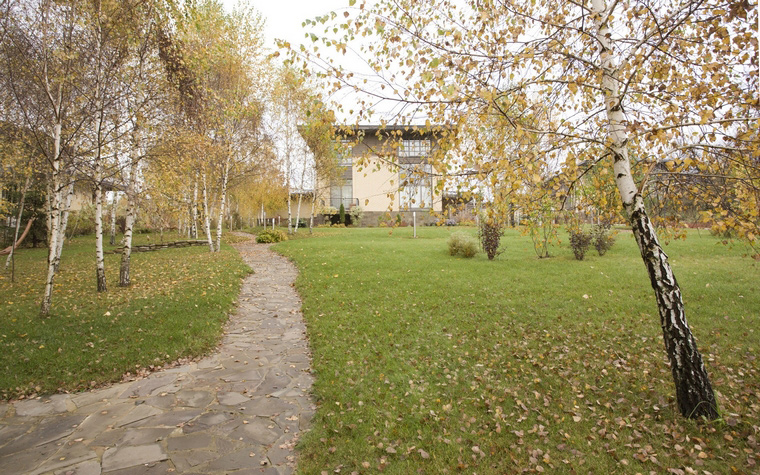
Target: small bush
x: 490, y: 234
x: 342, y: 214
x: 270, y: 236
x: 356, y: 213
x: 81, y: 222
x: 541, y: 227
x: 603, y: 241
x: 461, y: 244
x: 580, y: 241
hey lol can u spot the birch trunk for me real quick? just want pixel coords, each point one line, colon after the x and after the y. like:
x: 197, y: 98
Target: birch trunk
x: 298, y: 212
x: 222, y: 203
x: 48, y: 208
x: 100, y: 266
x: 129, y: 220
x: 206, y: 217
x: 126, y: 253
x: 311, y: 218
x: 290, y: 221
x: 694, y: 392
x: 64, y: 221
x: 194, y: 210
x: 56, y: 202
x: 113, y: 218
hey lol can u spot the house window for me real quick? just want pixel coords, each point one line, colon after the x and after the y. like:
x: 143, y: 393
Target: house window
x: 414, y: 148
x: 416, y: 186
x: 344, y: 153
x: 342, y: 190
x: 342, y: 194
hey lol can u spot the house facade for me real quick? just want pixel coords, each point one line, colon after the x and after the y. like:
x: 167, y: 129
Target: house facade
x: 388, y: 172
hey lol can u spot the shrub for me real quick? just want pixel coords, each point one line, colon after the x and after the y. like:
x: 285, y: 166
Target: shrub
x: 603, y: 241
x: 81, y: 222
x: 490, y: 233
x: 541, y: 227
x: 357, y: 213
x: 342, y: 214
x: 580, y: 242
x: 461, y: 244
x: 270, y: 236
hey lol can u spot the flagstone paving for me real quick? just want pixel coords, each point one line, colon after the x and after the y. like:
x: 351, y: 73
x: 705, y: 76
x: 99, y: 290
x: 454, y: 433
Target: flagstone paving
x: 240, y: 410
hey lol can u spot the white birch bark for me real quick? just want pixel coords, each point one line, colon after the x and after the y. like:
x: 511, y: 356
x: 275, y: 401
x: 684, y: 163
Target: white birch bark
x: 100, y: 266
x: 129, y: 219
x: 206, y: 214
x: 694, y: 392
x: 49, y: 208
x: 100, y: 269
x: 56, y: 203
x: 222, y: 203
x: 290, y: 221
x: 113, y: 217
x: 311, y: 217
x: 65, y: 208
x: 298, y: 212
x: 194, y: 210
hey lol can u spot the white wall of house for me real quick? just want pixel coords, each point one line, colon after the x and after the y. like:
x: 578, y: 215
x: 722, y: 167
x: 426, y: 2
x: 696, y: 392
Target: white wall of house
x: 373, y: 184
x: 375, y: 178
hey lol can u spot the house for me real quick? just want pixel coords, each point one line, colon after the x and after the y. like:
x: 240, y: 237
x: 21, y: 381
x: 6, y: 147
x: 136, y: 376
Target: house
x: 304, y: 197
x: 388, y: 172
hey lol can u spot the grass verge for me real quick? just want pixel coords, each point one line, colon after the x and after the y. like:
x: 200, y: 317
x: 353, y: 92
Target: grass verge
x: 175, y: 308
x: 427, y: 363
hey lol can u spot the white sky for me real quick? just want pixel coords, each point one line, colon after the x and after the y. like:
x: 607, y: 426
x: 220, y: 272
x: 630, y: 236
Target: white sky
x: 284, y: 17
x: 283, y: 20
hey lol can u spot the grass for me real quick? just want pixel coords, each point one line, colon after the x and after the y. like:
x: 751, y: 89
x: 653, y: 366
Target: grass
x: 175, y: 308
x: 427, y: 363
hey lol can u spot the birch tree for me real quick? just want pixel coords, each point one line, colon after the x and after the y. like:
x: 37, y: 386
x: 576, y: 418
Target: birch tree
x: 319, y: 134
x: 21, y: 172
x: 44, y: 59
x: 612, y: 80
x: 145, y: 94
x: 288, y: 96
x: 210, y: 57
x: 305, y: 130
x: 109, y: 39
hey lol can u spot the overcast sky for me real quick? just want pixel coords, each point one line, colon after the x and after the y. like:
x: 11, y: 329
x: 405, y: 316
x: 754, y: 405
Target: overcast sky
x: 284, y: 17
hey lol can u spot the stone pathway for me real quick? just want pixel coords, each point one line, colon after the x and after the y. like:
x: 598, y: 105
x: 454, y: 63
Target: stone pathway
x: 240, y: 410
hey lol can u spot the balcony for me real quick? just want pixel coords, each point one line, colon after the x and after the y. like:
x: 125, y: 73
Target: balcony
x: 346, y: 202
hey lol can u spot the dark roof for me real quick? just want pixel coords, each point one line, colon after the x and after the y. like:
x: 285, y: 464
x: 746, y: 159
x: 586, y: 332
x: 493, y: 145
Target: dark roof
x: 392, y: 127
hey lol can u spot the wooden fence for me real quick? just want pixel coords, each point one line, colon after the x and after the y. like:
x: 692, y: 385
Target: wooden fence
x: 163, y: 245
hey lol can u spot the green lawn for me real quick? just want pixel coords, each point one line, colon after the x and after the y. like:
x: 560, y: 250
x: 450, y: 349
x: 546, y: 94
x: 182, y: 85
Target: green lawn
x: 427, y: 363
x: 175, y: 308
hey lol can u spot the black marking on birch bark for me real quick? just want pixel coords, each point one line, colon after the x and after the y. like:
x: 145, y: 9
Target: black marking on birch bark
x: 617, y: 157
x: 694, y: 392
x: 620, y: 175
x: 101, y: 279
